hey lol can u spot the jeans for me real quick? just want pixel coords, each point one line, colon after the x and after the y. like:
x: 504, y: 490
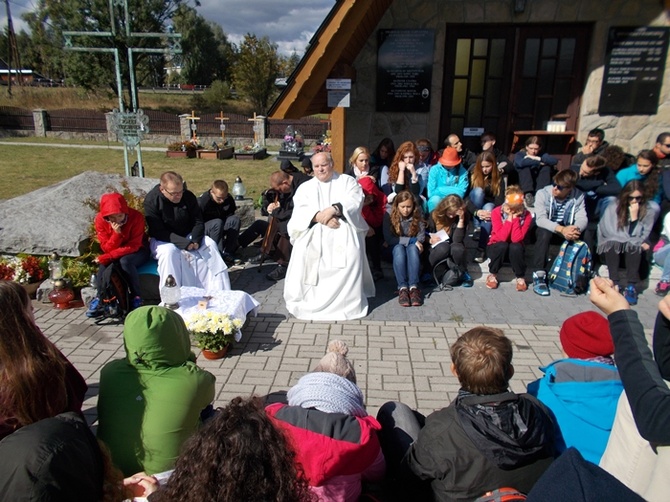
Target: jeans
x: 224, y: 233
x: 477, y: 199
x: 406, y: 265
x: 662, y: 258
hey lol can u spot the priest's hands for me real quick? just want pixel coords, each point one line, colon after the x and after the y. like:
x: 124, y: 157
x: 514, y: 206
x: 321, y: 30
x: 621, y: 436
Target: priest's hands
x: 328, y: 217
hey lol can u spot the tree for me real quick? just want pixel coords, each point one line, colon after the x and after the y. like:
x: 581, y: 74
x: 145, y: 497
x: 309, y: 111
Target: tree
x: 255, y: 71
x: 288, y: 64
x: 91, y: 70
x: 207, y: 54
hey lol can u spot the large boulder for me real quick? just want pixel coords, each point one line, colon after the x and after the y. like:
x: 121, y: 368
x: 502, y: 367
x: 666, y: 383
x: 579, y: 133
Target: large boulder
x: 56, y: 218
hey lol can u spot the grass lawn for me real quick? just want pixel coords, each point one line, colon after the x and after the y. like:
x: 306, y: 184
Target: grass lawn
x: 26, y: 168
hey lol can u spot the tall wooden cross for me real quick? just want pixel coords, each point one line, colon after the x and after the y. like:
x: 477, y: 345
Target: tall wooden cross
x: 221, y: 118
x: 194, y: 127
x: 257, y: 120
x: 130, y: 126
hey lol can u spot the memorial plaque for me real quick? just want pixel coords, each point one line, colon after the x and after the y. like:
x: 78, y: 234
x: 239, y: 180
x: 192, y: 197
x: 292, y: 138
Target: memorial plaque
x: 634, y: 69
x: 404, y: 70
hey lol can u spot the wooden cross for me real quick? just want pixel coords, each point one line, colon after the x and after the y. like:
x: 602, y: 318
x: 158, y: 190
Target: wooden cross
x: 254, y: 120
x: 221, y: 118
x: 194, y: 127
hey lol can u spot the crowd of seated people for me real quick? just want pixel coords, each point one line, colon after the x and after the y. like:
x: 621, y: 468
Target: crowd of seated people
x: 610, y: 200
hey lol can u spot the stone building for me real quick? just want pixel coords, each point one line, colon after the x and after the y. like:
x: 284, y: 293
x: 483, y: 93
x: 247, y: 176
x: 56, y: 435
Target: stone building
x: 499, y: 65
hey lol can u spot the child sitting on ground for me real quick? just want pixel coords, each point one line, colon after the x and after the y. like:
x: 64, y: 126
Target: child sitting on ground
x: 487, y: 438
x: 582, y: 392
x: 404, y: 232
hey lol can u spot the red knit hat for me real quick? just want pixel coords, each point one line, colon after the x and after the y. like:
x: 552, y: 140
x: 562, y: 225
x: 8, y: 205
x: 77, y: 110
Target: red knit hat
x: 450, y: 157
x: 586, y: 335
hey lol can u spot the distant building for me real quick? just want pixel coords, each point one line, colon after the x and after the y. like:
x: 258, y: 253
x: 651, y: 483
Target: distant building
x: 23, y: 75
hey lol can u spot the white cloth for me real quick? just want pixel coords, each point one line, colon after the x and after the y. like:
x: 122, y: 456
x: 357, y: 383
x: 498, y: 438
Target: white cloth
x: 641, y: 466
x: 203, y: 268
x: 328, y: 276
x: 235, y: 303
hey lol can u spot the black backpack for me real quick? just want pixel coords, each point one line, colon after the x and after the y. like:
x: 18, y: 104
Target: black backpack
x: 114, y: 294
x: 447, y: 274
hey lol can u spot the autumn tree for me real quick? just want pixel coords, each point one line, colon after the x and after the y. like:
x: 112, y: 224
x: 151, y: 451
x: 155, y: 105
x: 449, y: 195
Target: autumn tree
x: 255, y: 71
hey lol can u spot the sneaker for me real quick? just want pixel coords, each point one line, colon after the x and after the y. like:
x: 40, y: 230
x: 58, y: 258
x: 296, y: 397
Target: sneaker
x: 529, y: 199
x: 480, y: 257
x: 521, y: 285
x: 277, y: 274
x: 95, y: 308
x: 630, y: 294
x: 492, y: 281
x: 466, y: 280
x: 540, y: 283
x: 136, y: 303
x: 415, y: 297
x: 255, y: 260
x: 662, y: 288
x: 403, y: 298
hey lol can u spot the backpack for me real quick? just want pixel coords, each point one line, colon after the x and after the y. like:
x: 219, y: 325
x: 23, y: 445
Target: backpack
x: 571, y: 270
x: 447, y: 274
x: 114, y: 294
x: 505, y: 494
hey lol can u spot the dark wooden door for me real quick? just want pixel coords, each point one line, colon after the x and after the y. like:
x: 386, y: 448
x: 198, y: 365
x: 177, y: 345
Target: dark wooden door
x: 509, y: 78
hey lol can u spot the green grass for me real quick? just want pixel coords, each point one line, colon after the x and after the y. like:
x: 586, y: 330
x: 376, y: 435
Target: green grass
x: 26, y: 168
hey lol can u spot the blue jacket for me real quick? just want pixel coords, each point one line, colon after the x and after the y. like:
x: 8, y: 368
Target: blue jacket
x: 443, y: 182
x: 583, y: 396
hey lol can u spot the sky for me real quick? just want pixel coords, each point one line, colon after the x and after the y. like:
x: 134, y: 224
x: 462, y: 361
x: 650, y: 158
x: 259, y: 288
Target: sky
x: 288, y: 23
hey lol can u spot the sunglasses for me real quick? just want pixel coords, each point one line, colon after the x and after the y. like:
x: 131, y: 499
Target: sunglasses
x: 667, y: 145
x: 635, y: 197
x: 559, y: 187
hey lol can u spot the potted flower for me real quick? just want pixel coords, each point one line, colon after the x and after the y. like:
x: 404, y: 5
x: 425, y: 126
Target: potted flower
x: 213, y: 332
x: 182, y: 149
x: 27, y: 270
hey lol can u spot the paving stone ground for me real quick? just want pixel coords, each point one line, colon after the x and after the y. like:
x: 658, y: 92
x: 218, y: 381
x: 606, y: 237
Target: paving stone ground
x: 399, y: 353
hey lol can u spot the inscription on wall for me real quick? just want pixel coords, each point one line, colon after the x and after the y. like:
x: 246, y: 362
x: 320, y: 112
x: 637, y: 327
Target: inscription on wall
x: 634, y: 68
x: 404, y: 70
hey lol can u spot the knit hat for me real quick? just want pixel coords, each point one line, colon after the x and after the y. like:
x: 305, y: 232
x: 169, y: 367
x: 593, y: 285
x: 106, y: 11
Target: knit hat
x: 586, y: 335
x: 450, y: 157
x: 288, y: 167
x: 335, y: 361
x: 329, y: 393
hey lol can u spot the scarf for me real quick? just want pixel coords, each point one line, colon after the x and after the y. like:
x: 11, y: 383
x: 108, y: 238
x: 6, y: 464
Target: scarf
x: 329, y: 393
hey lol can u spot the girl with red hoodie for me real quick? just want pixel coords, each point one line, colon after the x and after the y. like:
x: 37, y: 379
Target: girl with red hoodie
x: 374, y: 208
x: 120, y: 231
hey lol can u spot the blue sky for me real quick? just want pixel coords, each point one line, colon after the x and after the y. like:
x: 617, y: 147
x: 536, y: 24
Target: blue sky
x: 289, y: 24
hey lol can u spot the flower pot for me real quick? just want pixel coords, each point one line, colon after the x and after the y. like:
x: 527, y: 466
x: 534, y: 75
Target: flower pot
x: 223, y: 153
x: 31, y: 288
x: 188, y: 154
x: 208, y: 354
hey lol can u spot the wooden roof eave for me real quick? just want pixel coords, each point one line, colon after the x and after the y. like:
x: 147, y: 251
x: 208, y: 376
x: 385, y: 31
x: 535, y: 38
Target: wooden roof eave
x: 305, y: 93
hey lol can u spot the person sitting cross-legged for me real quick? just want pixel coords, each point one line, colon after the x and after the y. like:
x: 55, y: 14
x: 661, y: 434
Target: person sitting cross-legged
x: 560, y: 215
x: 487, y: 438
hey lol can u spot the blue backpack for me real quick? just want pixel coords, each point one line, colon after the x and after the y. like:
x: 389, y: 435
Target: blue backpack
x: 571, y: 271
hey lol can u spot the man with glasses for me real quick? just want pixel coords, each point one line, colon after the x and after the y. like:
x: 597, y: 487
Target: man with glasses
x: 560, y: 214
x: 662, y: 149
x: 177, y: 237
x: 221, y: 223
x: 595, y: 144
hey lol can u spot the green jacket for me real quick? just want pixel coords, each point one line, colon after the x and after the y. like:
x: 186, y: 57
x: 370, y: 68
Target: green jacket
x: 150, y: 402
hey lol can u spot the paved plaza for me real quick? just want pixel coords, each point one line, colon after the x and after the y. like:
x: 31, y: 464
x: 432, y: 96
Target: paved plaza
x: 399, y: 353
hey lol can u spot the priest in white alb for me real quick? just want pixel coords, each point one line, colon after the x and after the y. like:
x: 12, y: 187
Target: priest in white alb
x: 328, y: 276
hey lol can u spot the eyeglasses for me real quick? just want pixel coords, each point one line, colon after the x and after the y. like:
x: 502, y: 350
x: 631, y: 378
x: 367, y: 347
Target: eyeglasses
x: 558, y: 187
x: 173, y: 194
x: 667, y: 145
x: 635, y: 197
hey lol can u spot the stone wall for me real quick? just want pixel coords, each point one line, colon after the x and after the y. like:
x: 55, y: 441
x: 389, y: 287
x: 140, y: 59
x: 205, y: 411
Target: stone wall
x: 632, y: 133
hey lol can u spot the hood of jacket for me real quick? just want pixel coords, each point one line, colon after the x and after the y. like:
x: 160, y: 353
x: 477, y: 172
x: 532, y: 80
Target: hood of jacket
x: 510, y: 430
x: 156, y: 337
x: 113, y: 203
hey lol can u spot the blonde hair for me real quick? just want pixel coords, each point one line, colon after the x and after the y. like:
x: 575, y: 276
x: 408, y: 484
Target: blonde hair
x: 357, y: 151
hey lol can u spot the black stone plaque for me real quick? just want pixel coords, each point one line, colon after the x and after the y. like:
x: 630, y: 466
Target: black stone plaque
x: 404, y: 70
x: 634, y: 70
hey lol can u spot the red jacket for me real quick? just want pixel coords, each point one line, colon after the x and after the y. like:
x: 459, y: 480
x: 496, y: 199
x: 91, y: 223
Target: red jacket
x: 351, y: 447
x: 373, y: 213
x: 132, y: 237
x: 509, y: 230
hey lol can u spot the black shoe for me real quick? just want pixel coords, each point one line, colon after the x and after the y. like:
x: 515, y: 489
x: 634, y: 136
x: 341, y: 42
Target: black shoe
x: 480, y: 257
x: 277, y: 274
x: 228, y: 258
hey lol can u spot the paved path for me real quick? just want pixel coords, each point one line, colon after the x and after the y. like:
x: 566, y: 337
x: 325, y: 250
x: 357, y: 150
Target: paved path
x: 399, y: 353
